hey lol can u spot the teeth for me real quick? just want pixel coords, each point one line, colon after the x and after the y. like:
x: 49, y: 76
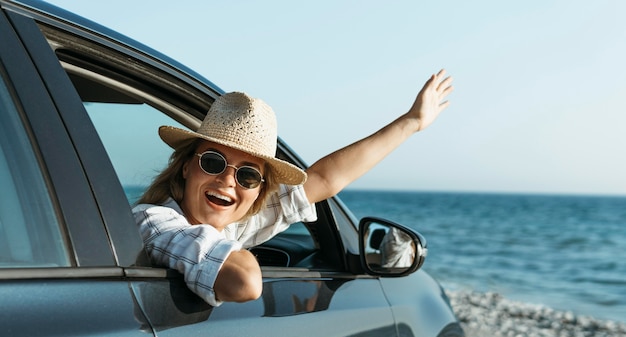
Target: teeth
x: 219, y: 196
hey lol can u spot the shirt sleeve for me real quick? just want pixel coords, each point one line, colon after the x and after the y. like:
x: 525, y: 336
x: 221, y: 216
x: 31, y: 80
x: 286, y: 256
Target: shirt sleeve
x: 284, y: 207
x: 198, y: 251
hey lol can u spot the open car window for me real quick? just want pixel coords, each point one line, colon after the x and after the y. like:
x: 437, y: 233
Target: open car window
x: 127, y: 103
x: 129, y: 134
x: 127, y: 119
x: 127, y: 123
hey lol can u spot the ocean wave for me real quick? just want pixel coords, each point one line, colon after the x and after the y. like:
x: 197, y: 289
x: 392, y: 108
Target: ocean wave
x: 599, y: 281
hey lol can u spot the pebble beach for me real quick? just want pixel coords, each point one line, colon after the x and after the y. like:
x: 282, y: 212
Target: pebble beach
x: 490, y: 314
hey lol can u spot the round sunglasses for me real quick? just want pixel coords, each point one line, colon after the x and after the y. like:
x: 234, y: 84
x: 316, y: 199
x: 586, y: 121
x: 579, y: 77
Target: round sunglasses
x: 214, y: 163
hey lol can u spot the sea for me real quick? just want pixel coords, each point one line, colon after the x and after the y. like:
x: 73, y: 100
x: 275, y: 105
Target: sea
x: 567, y: 252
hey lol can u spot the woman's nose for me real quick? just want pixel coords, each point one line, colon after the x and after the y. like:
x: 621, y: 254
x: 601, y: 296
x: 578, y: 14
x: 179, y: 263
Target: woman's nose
x: 228, y: 176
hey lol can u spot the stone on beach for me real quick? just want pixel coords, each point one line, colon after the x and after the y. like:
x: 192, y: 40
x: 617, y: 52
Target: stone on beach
x: 490, y: 314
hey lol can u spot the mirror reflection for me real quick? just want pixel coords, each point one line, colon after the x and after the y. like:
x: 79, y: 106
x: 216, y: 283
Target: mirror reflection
x: 388, y: 249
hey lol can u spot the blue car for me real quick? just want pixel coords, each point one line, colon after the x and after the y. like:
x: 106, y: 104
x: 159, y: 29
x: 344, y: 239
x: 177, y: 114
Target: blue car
x: 79, y: 108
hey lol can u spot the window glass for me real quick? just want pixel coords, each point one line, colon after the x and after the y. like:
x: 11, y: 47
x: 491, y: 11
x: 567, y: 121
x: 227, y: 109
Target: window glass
x: 29, y: 230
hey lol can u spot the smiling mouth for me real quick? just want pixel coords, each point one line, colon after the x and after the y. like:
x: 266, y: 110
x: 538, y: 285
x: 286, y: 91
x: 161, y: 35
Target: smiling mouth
x: 218, y: 199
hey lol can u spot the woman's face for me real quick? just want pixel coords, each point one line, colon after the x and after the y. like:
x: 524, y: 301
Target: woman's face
x: 218, y: 200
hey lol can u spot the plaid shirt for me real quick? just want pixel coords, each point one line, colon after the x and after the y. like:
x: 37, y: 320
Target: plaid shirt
x: 199, y: 251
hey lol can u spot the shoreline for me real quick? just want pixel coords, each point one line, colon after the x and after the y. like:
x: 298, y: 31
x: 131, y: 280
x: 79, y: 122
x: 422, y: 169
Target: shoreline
x: 490, y: 314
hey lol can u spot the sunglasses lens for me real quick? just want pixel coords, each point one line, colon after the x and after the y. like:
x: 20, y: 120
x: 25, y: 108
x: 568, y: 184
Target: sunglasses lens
x: 248, y: 177
x: 212, y: 163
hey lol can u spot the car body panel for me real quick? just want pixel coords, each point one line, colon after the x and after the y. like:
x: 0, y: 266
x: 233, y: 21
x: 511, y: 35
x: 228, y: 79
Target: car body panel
x: 336, y: 305
x: 420, y: 306
x: 69, y: 307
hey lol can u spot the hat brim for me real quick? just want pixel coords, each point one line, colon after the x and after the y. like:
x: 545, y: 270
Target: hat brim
x: 285, y: 173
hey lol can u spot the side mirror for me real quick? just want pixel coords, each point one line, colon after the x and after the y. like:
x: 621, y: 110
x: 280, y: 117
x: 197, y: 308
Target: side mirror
x: 390, y: 249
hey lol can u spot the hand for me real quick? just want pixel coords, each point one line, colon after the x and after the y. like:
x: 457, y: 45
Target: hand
x: 428, y: 103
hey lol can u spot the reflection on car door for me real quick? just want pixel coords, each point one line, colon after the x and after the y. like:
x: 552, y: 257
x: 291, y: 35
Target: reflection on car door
x: 308, y: 306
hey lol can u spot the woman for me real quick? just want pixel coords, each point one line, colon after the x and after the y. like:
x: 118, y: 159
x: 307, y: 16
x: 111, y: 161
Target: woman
x: 224, y: 190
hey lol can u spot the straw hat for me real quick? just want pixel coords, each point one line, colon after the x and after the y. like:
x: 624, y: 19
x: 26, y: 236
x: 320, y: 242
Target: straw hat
x: 244, y: 123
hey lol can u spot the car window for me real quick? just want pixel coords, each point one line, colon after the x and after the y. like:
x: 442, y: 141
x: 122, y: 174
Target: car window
x: 29, y: 231
x: 127, y: 117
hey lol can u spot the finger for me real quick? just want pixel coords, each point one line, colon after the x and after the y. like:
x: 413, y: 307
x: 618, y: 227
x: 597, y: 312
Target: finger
x: 446, y: 91
x: 445, y: 83
x: 437, y: 76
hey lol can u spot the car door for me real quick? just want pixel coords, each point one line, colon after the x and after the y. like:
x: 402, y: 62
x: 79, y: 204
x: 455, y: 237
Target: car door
x: 126, y: 95
x: 58, y: 273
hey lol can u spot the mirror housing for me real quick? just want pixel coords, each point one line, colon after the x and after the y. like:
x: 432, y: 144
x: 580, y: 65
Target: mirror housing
x: 390, y: 249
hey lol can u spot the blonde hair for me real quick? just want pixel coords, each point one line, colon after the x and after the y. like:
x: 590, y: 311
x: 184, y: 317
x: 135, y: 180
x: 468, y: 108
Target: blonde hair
x: 171, y: 184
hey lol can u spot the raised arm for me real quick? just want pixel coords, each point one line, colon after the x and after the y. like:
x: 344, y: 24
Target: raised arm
x: 329, y: 175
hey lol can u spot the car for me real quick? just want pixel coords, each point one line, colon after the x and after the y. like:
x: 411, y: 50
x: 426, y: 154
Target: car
x: 78, y: 143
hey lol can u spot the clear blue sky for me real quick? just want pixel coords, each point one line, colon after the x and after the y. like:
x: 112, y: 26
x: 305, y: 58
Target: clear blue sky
x: 540, y: 86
